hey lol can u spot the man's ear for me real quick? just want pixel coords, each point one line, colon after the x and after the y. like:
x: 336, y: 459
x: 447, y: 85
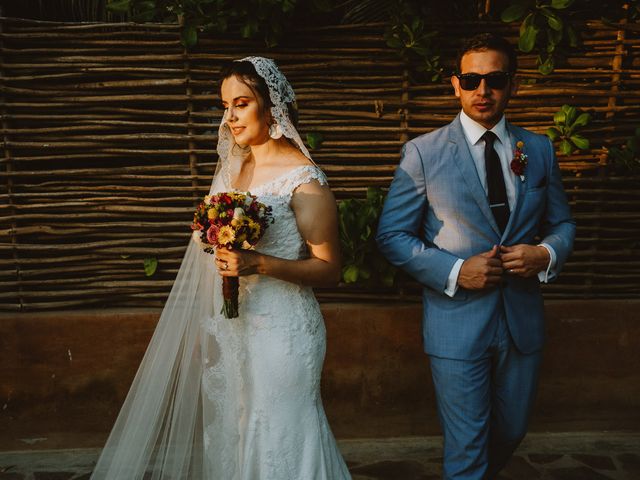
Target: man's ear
x: 455, y: 81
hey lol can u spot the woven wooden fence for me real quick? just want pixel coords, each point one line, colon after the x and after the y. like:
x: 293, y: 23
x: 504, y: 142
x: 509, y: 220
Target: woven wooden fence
x: 110, y: 129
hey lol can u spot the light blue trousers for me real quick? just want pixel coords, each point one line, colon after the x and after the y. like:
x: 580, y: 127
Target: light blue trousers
x: 484, y: 406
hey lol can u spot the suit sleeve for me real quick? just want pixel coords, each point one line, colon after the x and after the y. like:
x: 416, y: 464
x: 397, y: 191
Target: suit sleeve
x: 558, y: 227
x: 401, y: 222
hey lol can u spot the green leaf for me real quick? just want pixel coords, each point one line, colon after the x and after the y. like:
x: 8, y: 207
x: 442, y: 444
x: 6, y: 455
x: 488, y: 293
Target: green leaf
x: 249, y: 29
x: 314, y: 139
x: 565, y: 147
x: 554, y: 36
x: 571, y: 113
x: 387, y: 278
x: 288, y: 6
x: 553, y: 133
x: 528, y: 38
x: 366, y: 234
x: 555, y: 22
x: 372, y: 194
x: 364, y: 273
x: 350, y: 274
x: 580, y: 142
x: 189, y: 36
x: 150, y: 266
x: 394, y: 42
x: 559, y: 117
x: 409, y: 34
x: 513, y: 13
x: 546, y: 67
x: 145, y: 11
x: 119, y: 6
x: 421, y: 51
x: 561, y: 4
x: 271, y: 39
x: 582, y: 120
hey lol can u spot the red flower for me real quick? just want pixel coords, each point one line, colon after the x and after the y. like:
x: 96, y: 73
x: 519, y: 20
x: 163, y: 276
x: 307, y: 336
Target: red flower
x: 519, y: 162
x: 517, y: 166
x: 212, y: 235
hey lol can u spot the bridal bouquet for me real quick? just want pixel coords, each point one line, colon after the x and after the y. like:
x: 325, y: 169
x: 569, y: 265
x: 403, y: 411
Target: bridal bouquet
x: 230, y: 220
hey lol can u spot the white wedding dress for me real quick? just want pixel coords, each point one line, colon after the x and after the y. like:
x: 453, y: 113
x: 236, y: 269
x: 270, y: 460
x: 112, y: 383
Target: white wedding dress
x: 233, y: 399
x: 262, y: 411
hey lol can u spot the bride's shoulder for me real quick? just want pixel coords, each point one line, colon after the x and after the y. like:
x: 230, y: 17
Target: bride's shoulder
x: 295, y: 158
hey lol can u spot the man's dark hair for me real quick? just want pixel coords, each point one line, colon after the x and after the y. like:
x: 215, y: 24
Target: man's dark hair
x: 488, y: 41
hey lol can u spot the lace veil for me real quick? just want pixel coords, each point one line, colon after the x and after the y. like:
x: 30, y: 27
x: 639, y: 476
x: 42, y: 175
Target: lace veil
x: 158, y: 434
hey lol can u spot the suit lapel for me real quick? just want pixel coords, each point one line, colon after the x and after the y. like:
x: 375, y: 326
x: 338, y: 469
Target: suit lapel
x: 464, y: 161
x: 515, y: 135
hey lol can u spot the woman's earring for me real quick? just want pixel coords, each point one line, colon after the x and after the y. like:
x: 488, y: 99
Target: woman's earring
x: 275, y: 130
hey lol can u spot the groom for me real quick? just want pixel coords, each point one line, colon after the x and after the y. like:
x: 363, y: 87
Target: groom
x: 477, y: 214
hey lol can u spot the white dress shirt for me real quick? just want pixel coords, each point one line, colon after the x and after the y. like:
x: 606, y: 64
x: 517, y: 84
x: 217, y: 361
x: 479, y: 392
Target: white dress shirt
x: 473, y: 133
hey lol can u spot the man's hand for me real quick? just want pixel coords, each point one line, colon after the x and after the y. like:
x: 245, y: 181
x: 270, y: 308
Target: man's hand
x: 524, y: 260
x: 481, y: 271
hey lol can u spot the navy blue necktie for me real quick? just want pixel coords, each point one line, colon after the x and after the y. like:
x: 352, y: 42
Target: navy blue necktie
x: 497, y: 192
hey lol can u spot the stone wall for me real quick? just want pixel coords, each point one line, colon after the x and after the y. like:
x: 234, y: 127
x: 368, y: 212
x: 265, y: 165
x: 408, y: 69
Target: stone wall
x: 63, y: 375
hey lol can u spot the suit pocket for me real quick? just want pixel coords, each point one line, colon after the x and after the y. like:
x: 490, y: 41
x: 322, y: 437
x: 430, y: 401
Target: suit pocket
x: 534, y: 190
x: 443, y: 300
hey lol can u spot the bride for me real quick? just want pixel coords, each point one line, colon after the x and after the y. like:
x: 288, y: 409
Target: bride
x: 239, y: 399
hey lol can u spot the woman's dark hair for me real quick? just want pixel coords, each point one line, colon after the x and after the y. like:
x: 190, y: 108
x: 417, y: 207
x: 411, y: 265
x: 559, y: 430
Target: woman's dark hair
x: 488, y: 41
x: 246, y: 73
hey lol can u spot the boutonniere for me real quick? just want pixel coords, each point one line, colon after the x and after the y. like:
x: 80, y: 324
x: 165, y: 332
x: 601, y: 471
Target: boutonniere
x: 519, y: 162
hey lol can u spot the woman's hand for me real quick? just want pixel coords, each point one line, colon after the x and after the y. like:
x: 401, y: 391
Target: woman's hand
x: 237, y: 263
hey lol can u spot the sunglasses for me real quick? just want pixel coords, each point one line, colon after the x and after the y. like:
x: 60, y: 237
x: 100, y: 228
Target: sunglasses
x: 495, y: 80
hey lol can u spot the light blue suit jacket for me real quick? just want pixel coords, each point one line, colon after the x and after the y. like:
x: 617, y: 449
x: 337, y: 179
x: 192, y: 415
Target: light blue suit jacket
x: 437, y: 211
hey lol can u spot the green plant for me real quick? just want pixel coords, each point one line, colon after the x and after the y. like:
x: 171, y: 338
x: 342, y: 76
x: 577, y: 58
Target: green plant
x: 568, y: 121
x: 614, y: 11
x: 150, y: 266
x: 415, y: 43
x: 252, y: 18
x: 627, y: 158
x: 546, y: 27
x: 361, y: 260
x: 314, y: 140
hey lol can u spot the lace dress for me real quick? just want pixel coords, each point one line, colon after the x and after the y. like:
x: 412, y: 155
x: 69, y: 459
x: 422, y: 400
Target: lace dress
x: 262, y: 413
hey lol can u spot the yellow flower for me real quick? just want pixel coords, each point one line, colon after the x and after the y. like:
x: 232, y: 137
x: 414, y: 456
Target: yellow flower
x: 255, y: 231
x: 241, y: 238
x: 212, y: 214
x: 226, y: 235
x: 520, y: 144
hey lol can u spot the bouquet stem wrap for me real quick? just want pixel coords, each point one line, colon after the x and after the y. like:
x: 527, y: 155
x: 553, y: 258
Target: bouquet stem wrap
x: 230, y: 287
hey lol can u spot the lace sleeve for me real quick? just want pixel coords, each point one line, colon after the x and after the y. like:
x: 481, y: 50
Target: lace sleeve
x: 301, y: 176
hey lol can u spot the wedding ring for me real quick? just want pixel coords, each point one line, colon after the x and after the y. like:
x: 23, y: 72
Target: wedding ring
x: 225, y: 266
